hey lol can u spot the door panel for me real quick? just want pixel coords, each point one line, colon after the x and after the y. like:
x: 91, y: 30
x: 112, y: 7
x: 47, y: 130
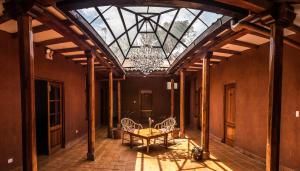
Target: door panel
x: 146, y: 105
x: 55, y: 116
x: 230, y: 104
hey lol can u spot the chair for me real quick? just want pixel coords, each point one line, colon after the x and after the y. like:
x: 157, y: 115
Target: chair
x: 128, y: 126
x: 166, y: 126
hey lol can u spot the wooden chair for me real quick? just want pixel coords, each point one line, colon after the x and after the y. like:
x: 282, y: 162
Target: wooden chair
x: 166, y: 126
x: 128, y: 125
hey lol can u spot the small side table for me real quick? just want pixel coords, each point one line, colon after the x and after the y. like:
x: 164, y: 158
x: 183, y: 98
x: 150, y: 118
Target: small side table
x: 116, y: 133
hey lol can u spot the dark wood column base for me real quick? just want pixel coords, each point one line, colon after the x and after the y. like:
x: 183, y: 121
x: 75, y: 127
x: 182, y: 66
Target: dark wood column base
x: 91, y: 156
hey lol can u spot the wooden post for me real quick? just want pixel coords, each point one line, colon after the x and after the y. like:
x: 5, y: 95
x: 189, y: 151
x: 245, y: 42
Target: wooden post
x: 119, y: 103
x: 110, y: 104
x: 172, y: 97
x: 26, y: 61
x: 91, y: 105
x: 283, y: 17
x: 182, y: 87
x: 205, y: 105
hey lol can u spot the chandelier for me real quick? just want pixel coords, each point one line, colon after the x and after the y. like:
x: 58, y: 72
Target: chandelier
x: 146, y: 58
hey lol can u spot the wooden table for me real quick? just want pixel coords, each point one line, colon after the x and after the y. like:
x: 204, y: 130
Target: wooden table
x: 148, y: 134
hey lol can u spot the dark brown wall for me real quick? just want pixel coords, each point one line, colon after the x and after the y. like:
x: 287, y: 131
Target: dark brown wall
x: 250, y: 73
x: 59, y: 69
x: 131, y: 88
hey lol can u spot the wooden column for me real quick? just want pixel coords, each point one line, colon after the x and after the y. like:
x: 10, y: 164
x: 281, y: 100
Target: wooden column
x: 283, y: 17
x: 26, y: 61
x: 91, y: 105
x: 205, y: 105
x: 172, y: 97
x: 182, y: 96
x: 119, y: 103
x: 110, y: 104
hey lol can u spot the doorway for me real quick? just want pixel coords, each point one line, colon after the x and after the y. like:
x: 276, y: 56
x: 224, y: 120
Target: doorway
x: 229, y: 113
x: 145, y: 105
x: 49, y: 116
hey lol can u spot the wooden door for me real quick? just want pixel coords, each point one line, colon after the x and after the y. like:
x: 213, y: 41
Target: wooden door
x: 229, y: 112
x: 54, y: 116
x: 146, y: 105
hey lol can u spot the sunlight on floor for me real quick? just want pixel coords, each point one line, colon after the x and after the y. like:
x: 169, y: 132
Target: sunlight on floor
x: 177, y: 157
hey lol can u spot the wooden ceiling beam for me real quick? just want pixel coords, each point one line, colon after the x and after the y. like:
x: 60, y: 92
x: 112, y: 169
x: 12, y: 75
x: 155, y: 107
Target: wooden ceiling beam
x: 63, y: 28
x: 40, y: 28
x: 256, y: 6
x: 68, y: 50
x: 228, y: 51
x: 75, y: 56
x: 4, y: 18
x: 212, y: 6
x: 245, y: 44
x: 54, y: 41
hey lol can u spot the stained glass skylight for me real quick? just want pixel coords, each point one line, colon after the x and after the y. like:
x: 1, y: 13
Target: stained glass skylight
x: 171, y: 30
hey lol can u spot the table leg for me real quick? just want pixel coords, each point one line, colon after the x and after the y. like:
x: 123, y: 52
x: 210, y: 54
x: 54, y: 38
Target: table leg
x: 166, y: 140
x: 148, y: 142
x: 130, y: 141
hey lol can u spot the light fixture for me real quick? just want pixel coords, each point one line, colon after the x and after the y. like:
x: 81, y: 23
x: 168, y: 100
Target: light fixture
x: 146, y: 58
x: 169, y: 86
x: 49, y: 54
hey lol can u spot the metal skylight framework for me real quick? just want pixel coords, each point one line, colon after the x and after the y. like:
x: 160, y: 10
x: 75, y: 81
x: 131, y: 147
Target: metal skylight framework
x: 171, y: 30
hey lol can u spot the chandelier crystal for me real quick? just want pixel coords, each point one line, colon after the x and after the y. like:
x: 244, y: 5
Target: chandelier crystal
x: 146, y: 58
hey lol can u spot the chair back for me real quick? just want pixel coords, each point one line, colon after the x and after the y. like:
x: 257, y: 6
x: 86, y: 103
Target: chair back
x: 167, y: 125
x: 129, y: 125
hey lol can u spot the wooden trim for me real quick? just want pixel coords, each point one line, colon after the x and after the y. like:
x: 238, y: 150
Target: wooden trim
x: 182, y: 108
x: 172, y: 97
x: 26, y: 57
x: 110, y: 104
x: 119, y: 102
x: 205, y: 106
x: 230, y: 85
x: 91, y: 105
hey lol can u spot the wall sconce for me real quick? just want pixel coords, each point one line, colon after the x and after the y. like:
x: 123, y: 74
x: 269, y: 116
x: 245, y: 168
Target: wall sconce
x: 49, y: 54
x: 169, y: 86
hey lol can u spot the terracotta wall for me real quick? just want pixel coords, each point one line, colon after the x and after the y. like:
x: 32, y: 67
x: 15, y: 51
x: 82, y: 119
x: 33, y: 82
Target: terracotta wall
x: 250, y: 73
x: 71, y: 74
x: 131, y: 88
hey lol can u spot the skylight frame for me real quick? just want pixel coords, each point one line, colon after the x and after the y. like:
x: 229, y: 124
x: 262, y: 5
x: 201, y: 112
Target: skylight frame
x: 154, y: 26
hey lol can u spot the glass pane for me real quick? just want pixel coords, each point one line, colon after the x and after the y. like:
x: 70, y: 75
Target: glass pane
x: 169, y: 44
x: 166, y: 63
x: 103, y: 9
x: 113, y: 19
x: 153, y: 25
x: 150, y: 36
x: 116, y: 50
x: 146, y: 27
x: 194, y: 11
x: 209, y: 18
x: 182, y: 22
x: 139, y: 18
x: 132, y: 33
x: 52, y: 120
x: 89, y: 14
x: 102, y: 30
x: 141, y: 24
x: 127, y: 62
x: 147, y: 15
x: 123, y: 42
x: 176, y: 52
x: 161, y: 34
x: 158, y: 9
x: 52, y: 107
x: 138, y: 40
x: 166, y: 19
x: 138, y: 9
x: 57, y: 109
x: 155, y: 18
x: 129, y: 18
x: 194, y: 31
